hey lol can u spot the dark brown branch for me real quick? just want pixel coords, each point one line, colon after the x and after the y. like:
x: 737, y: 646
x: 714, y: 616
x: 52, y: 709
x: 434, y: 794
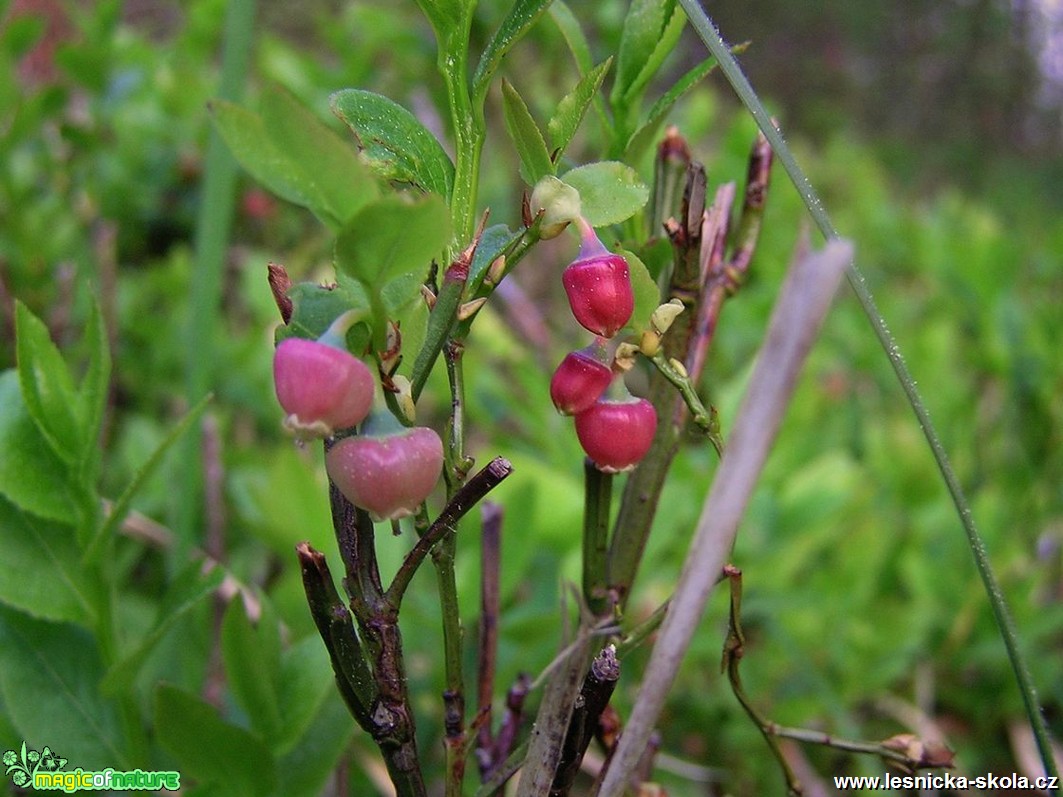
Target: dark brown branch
x: 490, y: 565
x: 334, y: 624
x: 594, y: 696
x: 464, y: 499
x: 355, y: 537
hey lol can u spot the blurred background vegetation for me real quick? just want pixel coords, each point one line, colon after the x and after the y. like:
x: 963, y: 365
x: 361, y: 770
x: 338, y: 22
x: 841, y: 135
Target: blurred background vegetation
x: 933, y: 131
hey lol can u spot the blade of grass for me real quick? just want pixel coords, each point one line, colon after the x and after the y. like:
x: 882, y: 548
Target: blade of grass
x: 120, y: 508
x: 708, y: 33
x: 211, y: 241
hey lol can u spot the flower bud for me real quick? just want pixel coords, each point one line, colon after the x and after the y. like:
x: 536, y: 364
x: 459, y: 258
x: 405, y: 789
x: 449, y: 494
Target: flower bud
x: 559, y: 202
x: 598, y: 285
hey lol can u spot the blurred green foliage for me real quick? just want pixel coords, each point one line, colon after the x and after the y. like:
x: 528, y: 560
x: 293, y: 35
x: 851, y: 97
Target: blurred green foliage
x: 861, y: 600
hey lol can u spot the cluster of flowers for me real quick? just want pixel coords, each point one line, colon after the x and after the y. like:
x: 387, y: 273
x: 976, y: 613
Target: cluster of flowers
x: 386, y: 469
x: 389, y: 470
x: 614, y: 428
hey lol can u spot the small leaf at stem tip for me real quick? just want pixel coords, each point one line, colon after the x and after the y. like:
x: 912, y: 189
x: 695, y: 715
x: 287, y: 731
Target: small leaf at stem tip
x: 495, y: 271
x: 470, y: 308
x: 679, y: 368
x: 48, y: 391
x: 528, y: 140
x: 663, y: 316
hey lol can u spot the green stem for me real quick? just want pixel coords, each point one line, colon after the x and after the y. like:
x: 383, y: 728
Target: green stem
x: 706, y: 30
x: 211, y: 241
x: 469, y: 133
x: 458, y: 463
x: 446, y: 524
x: 513, y: 253
x: 705, y: 419
x: 108, y: 632
x: 598, y: 495
x: 497, y: 779
x: 443, y: 558
x: 440, y: 321
x: 454, y: 703
x: 634, y: 638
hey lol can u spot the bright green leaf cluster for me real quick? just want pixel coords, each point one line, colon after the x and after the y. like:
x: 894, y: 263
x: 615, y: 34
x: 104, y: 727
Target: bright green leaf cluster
x: 386, y: 242
x: 290, y: 151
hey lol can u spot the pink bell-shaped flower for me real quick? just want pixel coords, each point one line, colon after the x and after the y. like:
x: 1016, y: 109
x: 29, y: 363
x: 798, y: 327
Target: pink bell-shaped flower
x: 598, y: 284
x: 390, y: 474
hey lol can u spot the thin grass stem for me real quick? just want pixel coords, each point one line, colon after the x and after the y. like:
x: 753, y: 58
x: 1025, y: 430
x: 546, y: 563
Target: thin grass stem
x: 708, y: 33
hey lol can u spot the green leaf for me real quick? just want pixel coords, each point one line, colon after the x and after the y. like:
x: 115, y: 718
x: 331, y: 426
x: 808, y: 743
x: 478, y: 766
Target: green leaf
x: 42, y: 572
x: 315, y: 307
x: 47, y: 386
x: 495, y: 240
x: 121, y: 506
x: 413, y: 324
x: 186, y: 592
x: 644, y: 287
x: 573, y: 34
x: 257, y: 150
x: 340, y: 182
x: 208, y: 748
x: 522, y: 15
x: 450, y: 21
x: 400, y: 292
x: 644, y: 136
x: 94, y: 387
x: 393, y: 236
x: 664, y: 43
x: 48, y: 677
x: 31, y: 474
x: 308, y: 680
x: 394, y: 143
x: 643, y: 33
x: 251, y: 652
x: 304, y: 770
x: 246, y: 136
x: 572, y: 108
x: 610, y: 192
x: 526, y: 136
